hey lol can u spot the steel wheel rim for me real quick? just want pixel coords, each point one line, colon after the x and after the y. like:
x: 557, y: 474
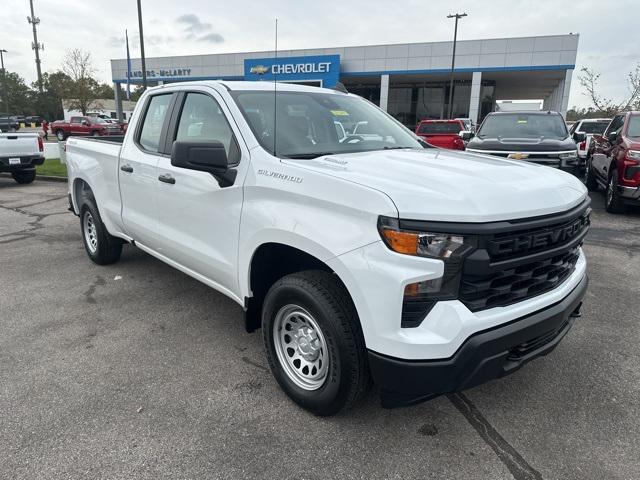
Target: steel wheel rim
x: 301, y: 347
x: 610, y: 191
x: 90, y: 232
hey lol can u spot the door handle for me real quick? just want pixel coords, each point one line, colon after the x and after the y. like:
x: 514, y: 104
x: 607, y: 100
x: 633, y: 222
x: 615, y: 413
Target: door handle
x: 167, y: 178
x: 127, y: 168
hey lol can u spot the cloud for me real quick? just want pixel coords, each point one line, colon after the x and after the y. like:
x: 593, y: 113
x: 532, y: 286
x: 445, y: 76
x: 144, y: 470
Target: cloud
x: 193, y: 24
x: 212, y: 38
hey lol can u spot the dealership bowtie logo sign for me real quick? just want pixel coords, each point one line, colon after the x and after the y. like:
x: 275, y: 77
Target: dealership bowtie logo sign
x: 259, y: 69
x: 319, y: 68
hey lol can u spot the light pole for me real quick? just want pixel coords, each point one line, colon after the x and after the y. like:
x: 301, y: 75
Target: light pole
x: 34, y: 21
x: 4, y: 82
x: 457, y: 16
x: 144, y: 66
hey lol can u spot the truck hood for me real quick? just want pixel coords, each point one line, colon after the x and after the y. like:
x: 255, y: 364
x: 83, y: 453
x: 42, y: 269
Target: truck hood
x: 528, y: 144
x: 445, y: 185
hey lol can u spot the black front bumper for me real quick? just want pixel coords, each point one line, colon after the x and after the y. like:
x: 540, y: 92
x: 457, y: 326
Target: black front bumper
x: 484, y: 356
x: 26, y: 163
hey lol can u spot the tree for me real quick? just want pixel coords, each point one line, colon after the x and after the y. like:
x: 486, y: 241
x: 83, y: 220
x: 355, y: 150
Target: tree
x: 84, y: 89
x: 18, y: 95
x: 607, y: 106
x: 55, y: 87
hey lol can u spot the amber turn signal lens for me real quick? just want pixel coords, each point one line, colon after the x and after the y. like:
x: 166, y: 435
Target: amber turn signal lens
x: 401, y: 242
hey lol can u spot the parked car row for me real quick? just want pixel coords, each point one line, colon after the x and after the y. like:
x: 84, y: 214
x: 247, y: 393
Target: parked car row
x: 8, y: 123
x: 94, y: 126
x: 613, y: 162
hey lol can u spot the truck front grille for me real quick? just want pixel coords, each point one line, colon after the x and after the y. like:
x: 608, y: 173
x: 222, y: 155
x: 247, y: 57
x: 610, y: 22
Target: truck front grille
x: 515, y: 284
x: 523, y: 259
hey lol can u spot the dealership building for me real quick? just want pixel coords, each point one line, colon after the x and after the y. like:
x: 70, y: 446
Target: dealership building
x: 409, y: 80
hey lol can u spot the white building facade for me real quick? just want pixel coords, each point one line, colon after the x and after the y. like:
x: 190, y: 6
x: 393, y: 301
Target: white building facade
x: 410, y: 81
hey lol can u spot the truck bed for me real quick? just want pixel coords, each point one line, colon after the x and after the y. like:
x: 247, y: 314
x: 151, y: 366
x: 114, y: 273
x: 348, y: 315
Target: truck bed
x: 19, y: 145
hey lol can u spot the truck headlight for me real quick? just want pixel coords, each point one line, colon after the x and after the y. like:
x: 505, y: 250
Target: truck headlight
x: 633, y: 154
x: 573, y: 155
x: 420, y: 297
x: 423, y: 244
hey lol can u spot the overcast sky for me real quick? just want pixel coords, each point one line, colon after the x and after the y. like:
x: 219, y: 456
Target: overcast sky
x: 609, y: 41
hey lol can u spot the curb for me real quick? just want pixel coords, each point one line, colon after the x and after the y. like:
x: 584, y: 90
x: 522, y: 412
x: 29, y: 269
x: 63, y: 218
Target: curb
x: 44, y: 178
x: 48, y: 178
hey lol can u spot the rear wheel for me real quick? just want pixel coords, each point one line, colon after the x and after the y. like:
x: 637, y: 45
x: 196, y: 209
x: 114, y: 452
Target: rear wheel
x: 613, y: 201
x: 24, y: 177
x: 95, y: 133
x: 60, y: 135
x: 314, y: 343
x: 101, y: 247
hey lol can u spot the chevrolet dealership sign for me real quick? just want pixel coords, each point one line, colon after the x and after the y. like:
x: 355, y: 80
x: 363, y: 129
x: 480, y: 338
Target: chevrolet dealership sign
x: 321, y: 68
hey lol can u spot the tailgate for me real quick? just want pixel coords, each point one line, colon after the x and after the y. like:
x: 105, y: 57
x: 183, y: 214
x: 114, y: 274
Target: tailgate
x: 19, y: 145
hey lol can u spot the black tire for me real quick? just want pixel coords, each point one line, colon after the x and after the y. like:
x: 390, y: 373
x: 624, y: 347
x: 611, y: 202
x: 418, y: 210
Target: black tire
x: 61, y: 135
x: 613, y: 202
x: 590, y: 181
x: 323, y: 296
x: 106, y: 248
x: 95, y: 133
x: 24, y: 177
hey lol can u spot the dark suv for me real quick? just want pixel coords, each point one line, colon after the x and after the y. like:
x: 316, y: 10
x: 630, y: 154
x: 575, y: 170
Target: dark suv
x: 614, y: 162
x: 8, y: 123
x: 538, y: 137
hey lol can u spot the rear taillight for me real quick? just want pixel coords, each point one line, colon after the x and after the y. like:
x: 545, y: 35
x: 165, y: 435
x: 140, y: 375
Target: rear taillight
x: 40, y: 144
x: 631, y: 170
x: 583, y: 145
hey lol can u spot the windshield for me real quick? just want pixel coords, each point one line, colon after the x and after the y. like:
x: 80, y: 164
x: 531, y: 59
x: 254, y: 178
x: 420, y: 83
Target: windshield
x: 634, y: 126
x: 439, y: 128
x: 311, y: 124
x: 593, y: 127
x: 523, y: 125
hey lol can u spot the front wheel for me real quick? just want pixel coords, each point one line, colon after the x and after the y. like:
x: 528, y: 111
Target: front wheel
x: 101, y: 247
x: 613, y: 201
x: 314, y: 343
x: 24, y: 177
x: 60, y: 135
x: 591, y: 182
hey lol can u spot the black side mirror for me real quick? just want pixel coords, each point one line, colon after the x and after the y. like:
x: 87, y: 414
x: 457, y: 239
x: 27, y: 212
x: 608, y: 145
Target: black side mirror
x: 613, y: 137
x: 465, y: 135
x: 204, y: 156
x: 579, y: 137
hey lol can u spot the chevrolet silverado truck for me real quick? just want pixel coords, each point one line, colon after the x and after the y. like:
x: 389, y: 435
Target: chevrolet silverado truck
x: 19, y: 155
x: 614, y: 163
x: 589, y: 127
x: 84, y: 126
x: 361, y: 258
x: 442, y: 133
x: 537, y: 137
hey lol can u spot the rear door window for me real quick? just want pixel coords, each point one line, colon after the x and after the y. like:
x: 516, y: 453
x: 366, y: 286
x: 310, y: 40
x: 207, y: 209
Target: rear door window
x: 154, y: 118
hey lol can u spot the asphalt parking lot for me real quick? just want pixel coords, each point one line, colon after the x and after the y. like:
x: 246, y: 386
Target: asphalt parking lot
x: 138, y: 371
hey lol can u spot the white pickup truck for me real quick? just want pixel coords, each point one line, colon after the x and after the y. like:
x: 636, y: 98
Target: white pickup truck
x: 361, y: 257
x: 19, y: 155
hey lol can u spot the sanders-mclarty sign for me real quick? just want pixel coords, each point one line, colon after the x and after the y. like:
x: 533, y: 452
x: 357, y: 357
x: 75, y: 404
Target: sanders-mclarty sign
x: 325, y: 68
x: 163, y: 72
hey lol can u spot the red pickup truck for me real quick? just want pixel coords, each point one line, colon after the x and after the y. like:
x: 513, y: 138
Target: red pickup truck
x: 614, y: 162
x: 442, y: 133
x: 86, y: 126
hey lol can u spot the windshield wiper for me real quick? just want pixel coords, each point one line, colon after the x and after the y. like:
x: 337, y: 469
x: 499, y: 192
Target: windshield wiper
x: 306, y: 156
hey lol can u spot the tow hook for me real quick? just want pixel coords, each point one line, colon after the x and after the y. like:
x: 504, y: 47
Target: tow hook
x: 577, y: 313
